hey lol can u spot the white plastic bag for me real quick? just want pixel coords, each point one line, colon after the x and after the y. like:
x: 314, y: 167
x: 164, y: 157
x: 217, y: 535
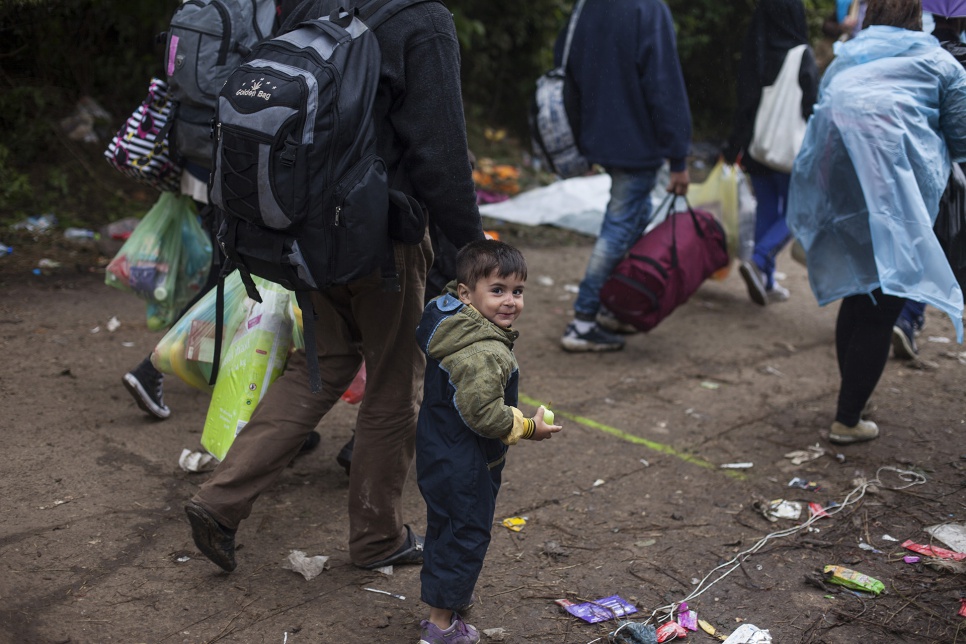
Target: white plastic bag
x: 779, y: 124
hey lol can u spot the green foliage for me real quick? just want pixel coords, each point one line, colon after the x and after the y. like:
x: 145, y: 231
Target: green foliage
x: 14, y: 185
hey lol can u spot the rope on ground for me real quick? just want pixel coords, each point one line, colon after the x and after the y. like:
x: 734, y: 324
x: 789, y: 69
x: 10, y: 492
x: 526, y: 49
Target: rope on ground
x: 665, y: 613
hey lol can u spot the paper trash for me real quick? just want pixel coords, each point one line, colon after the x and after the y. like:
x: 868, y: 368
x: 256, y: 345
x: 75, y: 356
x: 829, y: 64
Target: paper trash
x: 308, y: 567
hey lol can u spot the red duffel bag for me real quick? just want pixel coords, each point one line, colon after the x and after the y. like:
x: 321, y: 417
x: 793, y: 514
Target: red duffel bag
x: 665, y: 267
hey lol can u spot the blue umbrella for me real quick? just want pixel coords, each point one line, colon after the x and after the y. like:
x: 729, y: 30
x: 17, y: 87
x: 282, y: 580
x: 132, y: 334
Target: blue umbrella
x: 947, y: 8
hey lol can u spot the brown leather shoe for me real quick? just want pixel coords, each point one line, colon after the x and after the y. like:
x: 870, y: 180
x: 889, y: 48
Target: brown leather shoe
x: 214, y: 540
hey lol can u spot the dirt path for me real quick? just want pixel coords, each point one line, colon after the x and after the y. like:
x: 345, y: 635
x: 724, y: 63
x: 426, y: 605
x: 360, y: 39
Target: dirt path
x: 629, y: 500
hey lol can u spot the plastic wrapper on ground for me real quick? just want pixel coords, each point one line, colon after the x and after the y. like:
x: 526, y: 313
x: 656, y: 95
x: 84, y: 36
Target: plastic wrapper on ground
x: 852, y: 579
x: 601, y: 610
x: 749, y: 634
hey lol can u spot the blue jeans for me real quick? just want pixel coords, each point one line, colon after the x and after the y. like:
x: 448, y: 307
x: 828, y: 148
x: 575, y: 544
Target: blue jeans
x: 914, y: 313
x: 771, y: 231
x: 627, y: 215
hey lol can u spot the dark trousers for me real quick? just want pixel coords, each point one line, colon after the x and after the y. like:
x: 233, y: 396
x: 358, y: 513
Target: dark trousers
x: 459, y: 475
x: 863, y: 336
x: 354, y: 321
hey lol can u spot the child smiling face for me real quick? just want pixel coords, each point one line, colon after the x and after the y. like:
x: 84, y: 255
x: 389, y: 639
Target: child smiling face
x: 498, y: 298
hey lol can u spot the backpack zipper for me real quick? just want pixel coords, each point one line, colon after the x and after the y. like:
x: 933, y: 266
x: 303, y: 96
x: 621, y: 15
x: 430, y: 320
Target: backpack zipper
x: 349, y: 179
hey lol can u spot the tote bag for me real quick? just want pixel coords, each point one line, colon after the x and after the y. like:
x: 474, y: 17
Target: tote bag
x: 779, y: 125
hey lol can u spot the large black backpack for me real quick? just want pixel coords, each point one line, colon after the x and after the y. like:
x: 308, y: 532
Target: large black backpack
x: 205, y: 41
x: 304, y: 198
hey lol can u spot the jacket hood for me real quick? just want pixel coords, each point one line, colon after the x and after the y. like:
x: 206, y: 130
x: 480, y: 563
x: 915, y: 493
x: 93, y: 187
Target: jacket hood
x: 879, y: 41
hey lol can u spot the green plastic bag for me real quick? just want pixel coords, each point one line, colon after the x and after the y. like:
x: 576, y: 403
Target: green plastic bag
x: 255, y: 358
x: 165, y: 261
x: 187, y: 350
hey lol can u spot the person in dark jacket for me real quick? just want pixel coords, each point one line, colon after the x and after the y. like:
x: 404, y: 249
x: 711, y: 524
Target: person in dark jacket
x: 468, y: 418
x: 777, y: 26
x: 631, y: 114
x: 421, y: 136
x: 912, y: 317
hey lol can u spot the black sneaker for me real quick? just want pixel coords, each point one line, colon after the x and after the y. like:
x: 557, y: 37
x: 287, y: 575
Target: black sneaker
x: 344, y: 458
x: 410, y: 552
x: 596, y: 339
x: 755, y: 282
x: 904, y: 340
x: 214, y: 540
x: 145, y: 385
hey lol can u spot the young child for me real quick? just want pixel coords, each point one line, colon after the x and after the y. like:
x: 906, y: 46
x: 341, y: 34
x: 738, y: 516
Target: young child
x: 467, y: 420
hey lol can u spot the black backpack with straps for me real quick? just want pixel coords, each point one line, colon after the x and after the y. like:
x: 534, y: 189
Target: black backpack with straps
x: 303, y: 196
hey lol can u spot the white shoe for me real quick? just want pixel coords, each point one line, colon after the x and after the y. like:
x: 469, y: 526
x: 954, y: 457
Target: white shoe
x: 777, y: 293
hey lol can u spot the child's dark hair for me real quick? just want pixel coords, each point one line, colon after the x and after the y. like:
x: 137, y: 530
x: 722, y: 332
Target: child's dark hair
x: 478, y: 259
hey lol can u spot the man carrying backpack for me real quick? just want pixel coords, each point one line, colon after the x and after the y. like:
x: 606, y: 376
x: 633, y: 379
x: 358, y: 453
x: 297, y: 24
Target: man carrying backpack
x: 421, y: 136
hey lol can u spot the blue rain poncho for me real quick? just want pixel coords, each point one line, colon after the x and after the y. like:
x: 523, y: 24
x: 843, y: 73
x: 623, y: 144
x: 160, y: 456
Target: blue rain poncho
x: 866, y: 184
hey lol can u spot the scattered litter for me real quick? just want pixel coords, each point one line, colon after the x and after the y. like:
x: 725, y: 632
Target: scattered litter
x: 688, y: 618
x: 800, y: 456
x: 887, y: 537
x: 962, y: 607
x: 710, y: 630
x: 598, y: 483
x: 127, y: 345
x: 952, y: 534
x: 645, y: 463
x: 194, y: 461
x: 869, y: 547
x: 96, y: 329
x: 308, y: 567
x: 66, y: 499
x: 852, y: 579
x: 802, y: 484
x: 840, y: 457
x: 670, y: 631
x: 736, y: 466
x: 48, y: 263
x: 695, y: 581
x: 707, y: 384
x: 113, y: 324
x: 514, y: 523
x: 601, y: 610
x: 634, y: 633
x: 382, y: 592
x: 385, y: 570
x: 938, y: 339
x: 645, y: 543
x: 38, y: 224
x: 778, y: 509
x: 5, y: 250
x: 545, y: 280
x: 911, y: 559
x: 495, y: 634
x: 571, y: 288
x: 933, y: 551
x: 749, y: 634
x: 183, y: 559
x: 80, y: 234
x: 772, y: 371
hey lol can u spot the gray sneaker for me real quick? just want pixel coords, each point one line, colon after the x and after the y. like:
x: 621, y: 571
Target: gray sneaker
x: 777, y: 293
x: 596, y: 339
x: 755, y: 282
x: 865, y: 430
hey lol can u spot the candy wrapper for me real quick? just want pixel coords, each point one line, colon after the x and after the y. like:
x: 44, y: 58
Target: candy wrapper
x: 670, y: 631
x: 933, y: 551
x: 598, y: 611
x: 852, y: 579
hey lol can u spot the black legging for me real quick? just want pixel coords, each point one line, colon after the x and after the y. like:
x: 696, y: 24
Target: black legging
x: 863, y: 335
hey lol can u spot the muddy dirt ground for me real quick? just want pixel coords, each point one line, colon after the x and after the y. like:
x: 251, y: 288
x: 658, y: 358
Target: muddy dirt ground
x: 629, y: 500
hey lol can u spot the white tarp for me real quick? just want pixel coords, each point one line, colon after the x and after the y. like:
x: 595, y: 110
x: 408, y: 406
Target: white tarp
x: 576, y: 204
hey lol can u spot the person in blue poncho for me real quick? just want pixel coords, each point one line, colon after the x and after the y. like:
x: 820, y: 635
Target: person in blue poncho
x: 865, y: 192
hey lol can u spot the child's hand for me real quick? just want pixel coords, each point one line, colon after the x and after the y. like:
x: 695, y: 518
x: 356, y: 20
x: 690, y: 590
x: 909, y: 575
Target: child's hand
x: 541, y: 429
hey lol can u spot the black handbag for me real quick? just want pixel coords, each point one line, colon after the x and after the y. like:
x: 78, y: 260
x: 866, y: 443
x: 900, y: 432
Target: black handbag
x: 950, y: 226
